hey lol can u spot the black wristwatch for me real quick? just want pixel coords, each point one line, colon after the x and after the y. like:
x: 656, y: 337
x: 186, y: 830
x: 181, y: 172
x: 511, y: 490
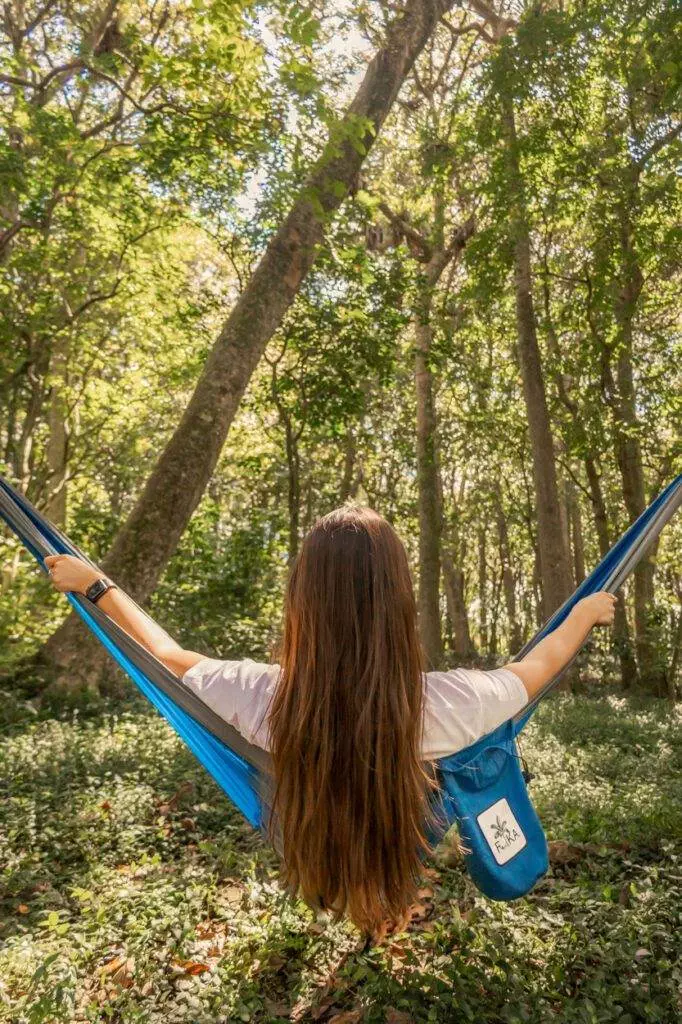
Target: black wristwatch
x: 98, y: 589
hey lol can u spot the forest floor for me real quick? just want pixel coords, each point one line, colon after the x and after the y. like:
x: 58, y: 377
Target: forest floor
x: 132, y: 892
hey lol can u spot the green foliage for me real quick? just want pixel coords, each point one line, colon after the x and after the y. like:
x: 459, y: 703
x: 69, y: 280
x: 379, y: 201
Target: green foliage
x: 134, y: 240
x: 139, y: 185
x: 132, y: 891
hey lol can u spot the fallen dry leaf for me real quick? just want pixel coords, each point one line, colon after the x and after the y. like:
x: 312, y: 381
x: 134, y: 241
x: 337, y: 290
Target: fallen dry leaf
x: 119, y: 971
x: 192, y: 967
x: 277, y: 1009
x: 561, y: 852
x: 418, y: 911
x: 347, y: 1017
x: 397, y: 1016
x: 233, y: 894
x: 316, y: 1012
x: 209, y: 929
x: 169, y: 805
x: 124, y: 975
x: 113, y: 965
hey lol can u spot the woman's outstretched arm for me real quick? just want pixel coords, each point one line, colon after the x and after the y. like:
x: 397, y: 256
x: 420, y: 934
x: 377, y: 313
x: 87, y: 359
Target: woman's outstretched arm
x: 556, y: 650
x: 70, y: 574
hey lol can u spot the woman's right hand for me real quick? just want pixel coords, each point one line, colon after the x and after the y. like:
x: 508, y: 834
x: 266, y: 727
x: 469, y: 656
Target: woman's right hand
x: 70, y: 574
x: 600, y: 608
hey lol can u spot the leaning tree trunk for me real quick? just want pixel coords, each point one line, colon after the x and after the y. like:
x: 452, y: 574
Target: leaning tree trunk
x: 151, y: 533
x: 554, y: 559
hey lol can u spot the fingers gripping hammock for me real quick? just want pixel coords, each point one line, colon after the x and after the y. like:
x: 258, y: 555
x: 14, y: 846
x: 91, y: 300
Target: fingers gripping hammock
x: 482, y: 788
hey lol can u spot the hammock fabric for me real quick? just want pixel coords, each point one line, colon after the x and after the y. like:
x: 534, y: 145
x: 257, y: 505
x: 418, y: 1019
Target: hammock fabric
x: 482, y: 788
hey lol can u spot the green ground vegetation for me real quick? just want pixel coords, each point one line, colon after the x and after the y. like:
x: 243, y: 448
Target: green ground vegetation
x: 133, y: 892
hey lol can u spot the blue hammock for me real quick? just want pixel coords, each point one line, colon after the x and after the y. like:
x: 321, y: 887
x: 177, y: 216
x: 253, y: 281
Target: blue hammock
x: 482, y: 789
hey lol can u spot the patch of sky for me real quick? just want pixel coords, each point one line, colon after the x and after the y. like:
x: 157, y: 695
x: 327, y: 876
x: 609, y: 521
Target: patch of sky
x: 340, y: 42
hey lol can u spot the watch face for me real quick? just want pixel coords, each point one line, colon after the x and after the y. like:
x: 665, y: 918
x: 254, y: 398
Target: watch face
x: 97, y: 589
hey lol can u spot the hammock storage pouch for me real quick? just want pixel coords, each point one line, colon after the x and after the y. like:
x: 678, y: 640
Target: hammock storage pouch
x: 484, y: 790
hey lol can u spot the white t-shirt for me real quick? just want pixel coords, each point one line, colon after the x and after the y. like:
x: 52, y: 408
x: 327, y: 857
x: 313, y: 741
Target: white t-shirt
x: 460, y: 705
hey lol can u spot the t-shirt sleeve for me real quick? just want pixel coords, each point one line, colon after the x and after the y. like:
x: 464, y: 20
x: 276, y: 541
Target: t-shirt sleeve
x: 463, y: 705
x: 238, y: 691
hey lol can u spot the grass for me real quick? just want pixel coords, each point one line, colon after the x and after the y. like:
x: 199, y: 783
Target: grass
x: 132, y: 892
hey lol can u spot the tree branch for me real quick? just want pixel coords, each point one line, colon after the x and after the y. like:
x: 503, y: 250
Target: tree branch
x: 418, y: 240
x: 658, y: 145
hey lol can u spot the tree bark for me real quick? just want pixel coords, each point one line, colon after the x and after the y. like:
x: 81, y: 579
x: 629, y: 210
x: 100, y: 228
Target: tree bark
x: 627, y: 445
x: 621, y: 630
x: 57, y: 441
x: 439, y: 255
x: 575, y: 526
x: 430, y: 515
x: 348, y: 488
x: 483, y: 642
x: 554, y: 560
x: 495, y: 616
x: 453, y: 583
x: 293, y: 486
x: 149, y: 537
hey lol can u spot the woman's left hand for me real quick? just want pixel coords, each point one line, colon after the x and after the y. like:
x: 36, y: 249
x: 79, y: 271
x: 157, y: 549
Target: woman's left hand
x: 70, y: 574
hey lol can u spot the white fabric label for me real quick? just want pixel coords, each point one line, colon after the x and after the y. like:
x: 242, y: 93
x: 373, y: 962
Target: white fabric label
x: 502, y: 831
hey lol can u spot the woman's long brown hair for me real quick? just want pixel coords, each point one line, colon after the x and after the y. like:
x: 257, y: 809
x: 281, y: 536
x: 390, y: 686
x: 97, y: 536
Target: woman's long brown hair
x: 351, y: 790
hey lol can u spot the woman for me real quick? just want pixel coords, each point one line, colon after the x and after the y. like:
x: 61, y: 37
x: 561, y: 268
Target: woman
x: 348, y: 715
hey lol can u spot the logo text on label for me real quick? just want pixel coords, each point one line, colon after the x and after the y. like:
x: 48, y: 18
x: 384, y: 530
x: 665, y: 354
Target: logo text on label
x: 502, y: 831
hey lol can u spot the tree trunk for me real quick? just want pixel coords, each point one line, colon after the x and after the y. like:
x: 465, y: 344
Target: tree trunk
x: 540, y: 614
x: 483, y: 642
x: 453, y: 582
x: 293, y: 487
x: 428, y: 473
x: 428, y: 496
x: 628, y: 450
x: 621, y: 631
x: 149, y: 537
x: 57, y: 441
x: 508, y: 582
x: 351, y: 479
x: 495, y: 615
x: 575, y: 526
x: 628, y: 666
x: 554, y: 559
x: 674, y: 667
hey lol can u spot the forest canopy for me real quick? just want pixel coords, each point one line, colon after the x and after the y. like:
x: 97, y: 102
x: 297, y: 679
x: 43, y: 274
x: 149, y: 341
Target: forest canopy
x: 259, y: 259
